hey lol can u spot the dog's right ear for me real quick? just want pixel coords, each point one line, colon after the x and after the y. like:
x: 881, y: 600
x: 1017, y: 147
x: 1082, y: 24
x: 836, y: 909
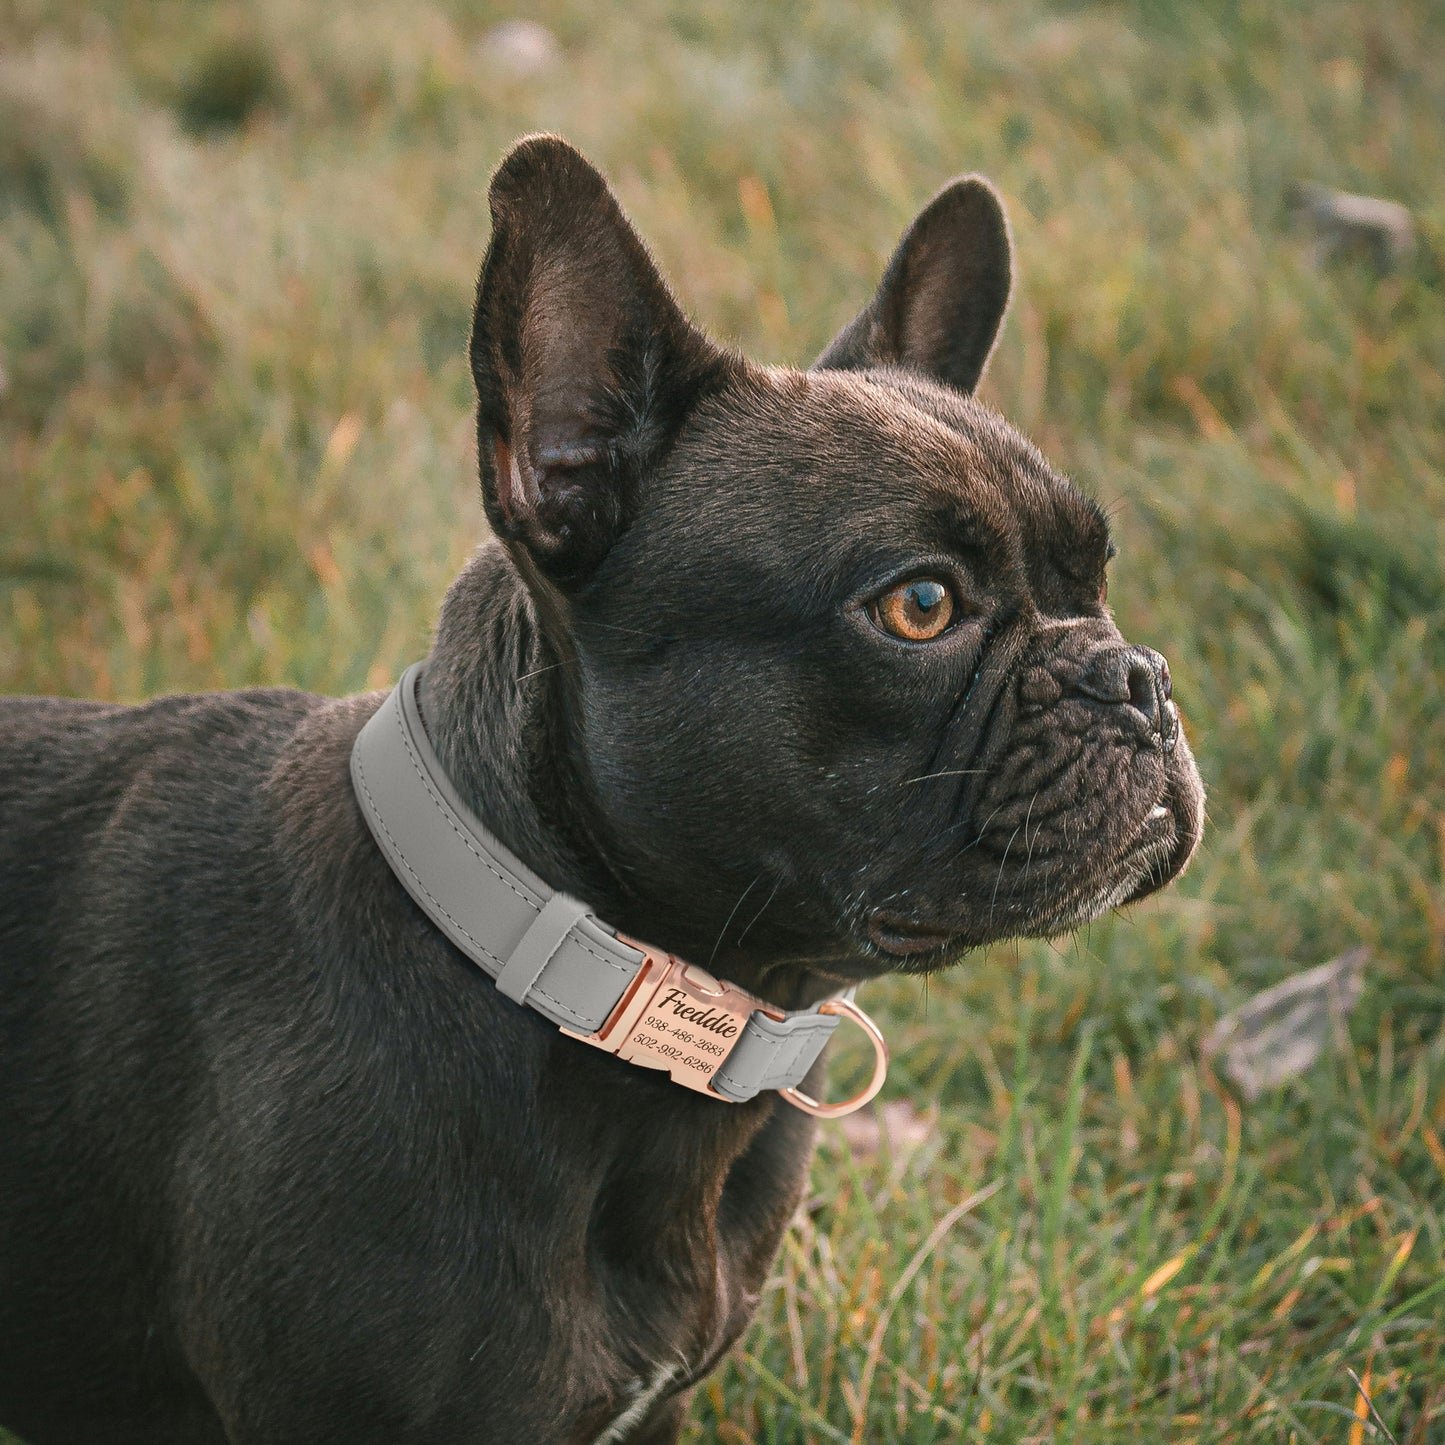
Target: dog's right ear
x: 942, y: 299
x: 584, y: 364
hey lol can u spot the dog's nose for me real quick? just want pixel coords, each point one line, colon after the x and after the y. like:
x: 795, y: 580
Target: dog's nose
x: 1136, y: 677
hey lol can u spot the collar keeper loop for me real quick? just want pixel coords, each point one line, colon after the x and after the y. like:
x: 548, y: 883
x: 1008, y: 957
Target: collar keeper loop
x: 544, y: 936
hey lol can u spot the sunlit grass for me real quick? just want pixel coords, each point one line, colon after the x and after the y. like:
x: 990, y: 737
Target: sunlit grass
x: 237, y: 246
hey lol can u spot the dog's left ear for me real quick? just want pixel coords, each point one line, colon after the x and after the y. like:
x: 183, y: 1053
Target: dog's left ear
x: 585, y: 366
x: 942, y: 299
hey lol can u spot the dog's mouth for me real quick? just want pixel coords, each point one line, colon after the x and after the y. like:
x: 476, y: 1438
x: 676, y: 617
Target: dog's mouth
x: 1156, y: 852
x: 900, y: 939
x: 1160, y: 850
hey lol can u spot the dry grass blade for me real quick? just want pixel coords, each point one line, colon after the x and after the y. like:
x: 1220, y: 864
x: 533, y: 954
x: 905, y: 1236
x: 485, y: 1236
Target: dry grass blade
x: 885, y: 1316
x: 1365, y: 1405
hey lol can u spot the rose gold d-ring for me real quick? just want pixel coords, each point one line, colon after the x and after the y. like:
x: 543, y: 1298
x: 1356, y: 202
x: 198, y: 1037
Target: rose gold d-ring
x: 846, y: 1008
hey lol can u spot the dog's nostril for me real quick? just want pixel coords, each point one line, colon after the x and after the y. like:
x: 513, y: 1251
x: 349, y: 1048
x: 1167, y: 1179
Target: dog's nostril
x: 1135, y: 677
x: 1144, y: 690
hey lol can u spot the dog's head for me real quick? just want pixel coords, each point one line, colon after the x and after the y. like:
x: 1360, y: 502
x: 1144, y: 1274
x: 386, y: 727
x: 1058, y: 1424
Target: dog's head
x: 840, y: 679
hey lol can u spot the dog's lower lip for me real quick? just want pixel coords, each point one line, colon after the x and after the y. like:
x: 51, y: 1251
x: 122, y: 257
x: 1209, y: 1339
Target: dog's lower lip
x: 903, y: 940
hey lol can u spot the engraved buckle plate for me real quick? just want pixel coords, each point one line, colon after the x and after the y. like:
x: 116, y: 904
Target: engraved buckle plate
x: 677, y: 1016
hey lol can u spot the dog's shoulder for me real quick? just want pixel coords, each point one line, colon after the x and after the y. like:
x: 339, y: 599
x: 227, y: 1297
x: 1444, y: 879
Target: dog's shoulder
x: 107, y: 801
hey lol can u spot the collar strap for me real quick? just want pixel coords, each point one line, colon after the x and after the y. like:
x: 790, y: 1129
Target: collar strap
x: 545, y: 950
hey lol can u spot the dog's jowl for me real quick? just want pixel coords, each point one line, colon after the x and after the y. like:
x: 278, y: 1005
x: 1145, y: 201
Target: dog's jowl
x: 802, y: 675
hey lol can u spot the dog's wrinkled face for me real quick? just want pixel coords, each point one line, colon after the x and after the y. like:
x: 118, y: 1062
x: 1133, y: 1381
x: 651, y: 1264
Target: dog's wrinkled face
x: 843, y: 681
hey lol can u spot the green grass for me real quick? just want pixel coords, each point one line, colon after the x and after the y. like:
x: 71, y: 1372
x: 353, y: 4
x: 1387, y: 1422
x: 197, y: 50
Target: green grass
x: 236, y: 253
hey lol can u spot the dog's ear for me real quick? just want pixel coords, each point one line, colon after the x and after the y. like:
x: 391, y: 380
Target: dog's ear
x: 584, y: 364
x: 942, y: 299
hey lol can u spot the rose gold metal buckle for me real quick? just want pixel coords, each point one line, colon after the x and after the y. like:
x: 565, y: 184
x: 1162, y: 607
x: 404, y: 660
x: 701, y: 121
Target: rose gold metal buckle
x: 846, y: 1008
x: 677, y: 1016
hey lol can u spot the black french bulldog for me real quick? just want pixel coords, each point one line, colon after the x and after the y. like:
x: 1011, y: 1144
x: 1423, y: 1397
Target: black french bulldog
x: 807, y: 675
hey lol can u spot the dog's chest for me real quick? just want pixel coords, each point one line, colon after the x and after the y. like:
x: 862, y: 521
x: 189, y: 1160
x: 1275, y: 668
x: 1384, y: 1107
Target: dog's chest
x: 673, y: 1280
x: 662, y: 1333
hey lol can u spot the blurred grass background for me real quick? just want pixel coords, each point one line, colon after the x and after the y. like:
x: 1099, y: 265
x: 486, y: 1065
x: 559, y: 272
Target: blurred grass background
x: 237, y: 247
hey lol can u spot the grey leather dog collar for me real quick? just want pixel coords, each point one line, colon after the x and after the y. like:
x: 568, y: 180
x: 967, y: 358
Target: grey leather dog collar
x: 547, y: 951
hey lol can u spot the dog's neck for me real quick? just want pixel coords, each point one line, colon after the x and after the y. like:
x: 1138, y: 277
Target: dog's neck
x: 499, y: 712
x: 501, y: 706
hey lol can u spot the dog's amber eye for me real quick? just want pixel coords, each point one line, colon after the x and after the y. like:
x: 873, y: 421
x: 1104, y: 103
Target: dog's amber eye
x: 916, y: 611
